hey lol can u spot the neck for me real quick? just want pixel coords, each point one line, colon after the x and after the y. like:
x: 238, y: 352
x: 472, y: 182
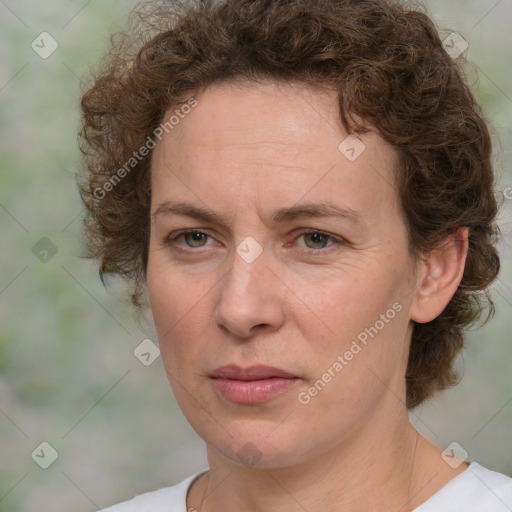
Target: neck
x: 386, y: 466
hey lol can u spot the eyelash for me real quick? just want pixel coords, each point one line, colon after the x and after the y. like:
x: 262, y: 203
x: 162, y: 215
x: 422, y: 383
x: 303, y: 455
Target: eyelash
x: 337, y: 241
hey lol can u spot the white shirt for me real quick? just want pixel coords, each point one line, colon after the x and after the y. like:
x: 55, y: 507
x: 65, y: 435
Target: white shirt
x: 476, y: 489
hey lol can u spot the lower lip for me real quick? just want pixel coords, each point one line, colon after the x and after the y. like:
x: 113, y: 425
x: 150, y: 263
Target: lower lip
x: 252, y: 391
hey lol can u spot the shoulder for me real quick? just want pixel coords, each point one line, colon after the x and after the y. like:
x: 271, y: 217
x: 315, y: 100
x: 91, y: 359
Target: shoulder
x: 474, y: 490
x: 167, y: 499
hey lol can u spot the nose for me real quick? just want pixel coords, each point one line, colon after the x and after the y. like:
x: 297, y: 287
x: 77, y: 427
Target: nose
x: 250, y: 299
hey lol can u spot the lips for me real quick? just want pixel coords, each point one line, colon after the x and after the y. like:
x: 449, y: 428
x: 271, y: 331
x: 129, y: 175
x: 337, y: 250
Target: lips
x: 251, y: 373
x: 252, y: 385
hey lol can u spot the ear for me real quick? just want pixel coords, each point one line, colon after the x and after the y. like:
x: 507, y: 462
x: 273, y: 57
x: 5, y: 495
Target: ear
x: 440, y: 275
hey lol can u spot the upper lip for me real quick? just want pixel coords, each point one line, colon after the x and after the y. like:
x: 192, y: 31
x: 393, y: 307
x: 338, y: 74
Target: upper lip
x: 250, y: 373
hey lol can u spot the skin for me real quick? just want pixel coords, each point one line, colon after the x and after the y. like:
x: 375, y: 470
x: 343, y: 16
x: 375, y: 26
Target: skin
x: 242, y: 152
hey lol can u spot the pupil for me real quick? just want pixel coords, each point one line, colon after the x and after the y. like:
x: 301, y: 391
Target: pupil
x: 196, y: 237
x: 316, y: 237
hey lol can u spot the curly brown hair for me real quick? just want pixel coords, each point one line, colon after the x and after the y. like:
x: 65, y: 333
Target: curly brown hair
x: 391, y: 72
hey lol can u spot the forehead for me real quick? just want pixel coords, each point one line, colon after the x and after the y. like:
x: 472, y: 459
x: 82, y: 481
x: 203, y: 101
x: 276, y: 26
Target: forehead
x: 270, y: 141
x: 266, y: 113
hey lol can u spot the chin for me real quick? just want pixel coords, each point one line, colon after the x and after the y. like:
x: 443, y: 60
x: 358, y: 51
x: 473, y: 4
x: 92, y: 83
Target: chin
x: 253, y: 444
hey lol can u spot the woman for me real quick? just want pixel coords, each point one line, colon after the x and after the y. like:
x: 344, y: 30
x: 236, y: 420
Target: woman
x: 304, y: 190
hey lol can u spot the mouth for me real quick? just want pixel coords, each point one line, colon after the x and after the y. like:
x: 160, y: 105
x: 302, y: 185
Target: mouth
x: 252, y: 385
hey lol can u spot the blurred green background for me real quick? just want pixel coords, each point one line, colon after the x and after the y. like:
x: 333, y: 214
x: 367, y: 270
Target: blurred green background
x: 68, y: 375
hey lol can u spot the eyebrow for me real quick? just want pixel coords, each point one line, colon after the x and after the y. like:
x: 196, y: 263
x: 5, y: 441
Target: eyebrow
x: 281, y: 215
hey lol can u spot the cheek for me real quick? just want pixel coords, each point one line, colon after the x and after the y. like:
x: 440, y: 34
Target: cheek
x: 359, y: 327
x: 171, y: 294
x: 178, y: 306
x: 349, y: 302
x: 181, y: 312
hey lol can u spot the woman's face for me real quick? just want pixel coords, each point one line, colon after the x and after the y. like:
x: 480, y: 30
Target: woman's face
x: 325, y: 297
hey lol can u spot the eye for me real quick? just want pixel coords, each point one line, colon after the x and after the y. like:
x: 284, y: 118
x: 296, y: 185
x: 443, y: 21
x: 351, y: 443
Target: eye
x: 315, y: 240
x: 193, y: 239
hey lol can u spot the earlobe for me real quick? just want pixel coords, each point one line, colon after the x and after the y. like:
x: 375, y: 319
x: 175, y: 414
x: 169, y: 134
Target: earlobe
x: 441, y: 274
